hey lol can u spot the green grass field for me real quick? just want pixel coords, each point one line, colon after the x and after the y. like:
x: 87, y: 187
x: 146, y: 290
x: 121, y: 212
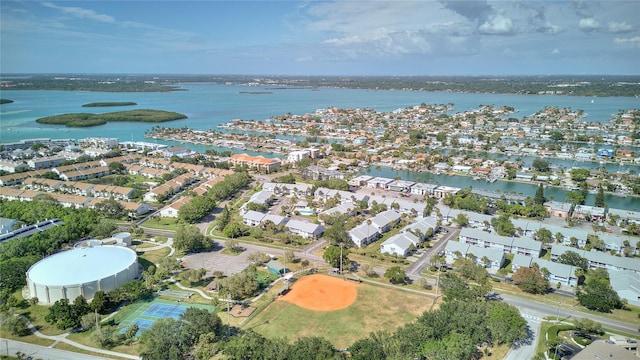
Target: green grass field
x: 376, y: 308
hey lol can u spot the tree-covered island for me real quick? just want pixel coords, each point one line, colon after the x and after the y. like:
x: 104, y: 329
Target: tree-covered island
x: 5, y: 101
x: 110, y: 103
x: 88, y: 119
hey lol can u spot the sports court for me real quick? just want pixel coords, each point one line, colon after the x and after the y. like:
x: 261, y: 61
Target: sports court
x: 148, y: 312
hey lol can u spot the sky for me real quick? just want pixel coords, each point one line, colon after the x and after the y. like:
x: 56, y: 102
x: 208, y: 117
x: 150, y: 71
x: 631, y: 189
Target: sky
x: 446, y: 37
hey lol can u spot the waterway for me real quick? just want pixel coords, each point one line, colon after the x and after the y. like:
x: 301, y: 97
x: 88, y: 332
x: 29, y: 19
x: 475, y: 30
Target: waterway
x: 510, y: 187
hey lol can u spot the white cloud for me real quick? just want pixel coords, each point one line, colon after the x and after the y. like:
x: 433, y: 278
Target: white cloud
x: 497, y: 25
x: 82, y: 13
x: 555, y: 51
x: 620, y: 28
x: 633, y: 42
x: 549, y: 28
x: 588, y: 24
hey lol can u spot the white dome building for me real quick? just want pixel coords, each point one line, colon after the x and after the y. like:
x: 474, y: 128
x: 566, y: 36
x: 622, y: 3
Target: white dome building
x: 81, y: 271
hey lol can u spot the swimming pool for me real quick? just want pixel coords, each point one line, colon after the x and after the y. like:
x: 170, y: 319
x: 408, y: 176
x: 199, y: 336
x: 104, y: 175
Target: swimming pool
x: 306, y: 212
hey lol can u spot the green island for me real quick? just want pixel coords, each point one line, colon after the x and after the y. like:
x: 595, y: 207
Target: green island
x: 110, y: 103
x: 5, y: 101
x: 88, y: 119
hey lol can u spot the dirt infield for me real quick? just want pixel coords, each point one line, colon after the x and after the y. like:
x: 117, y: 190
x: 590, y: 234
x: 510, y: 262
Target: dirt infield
x: 322, y: 293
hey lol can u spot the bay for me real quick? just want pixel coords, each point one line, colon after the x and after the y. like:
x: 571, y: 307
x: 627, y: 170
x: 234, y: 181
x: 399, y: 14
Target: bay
x: 208, y: 105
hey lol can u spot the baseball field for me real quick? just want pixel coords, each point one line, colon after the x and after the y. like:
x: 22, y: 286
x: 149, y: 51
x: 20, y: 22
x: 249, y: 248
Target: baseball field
x: 342, y: 311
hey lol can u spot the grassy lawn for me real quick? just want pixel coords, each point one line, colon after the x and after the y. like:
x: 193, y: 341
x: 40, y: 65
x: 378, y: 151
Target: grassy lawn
x: 67, y: 347
x: 162, y: 223
x: 153, y: 256
x: 376, y: 308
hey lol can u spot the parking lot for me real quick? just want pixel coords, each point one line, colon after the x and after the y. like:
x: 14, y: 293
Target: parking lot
x: 216, y: 261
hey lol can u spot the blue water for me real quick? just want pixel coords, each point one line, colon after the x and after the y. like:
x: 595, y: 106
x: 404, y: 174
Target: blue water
x: 208, y: 105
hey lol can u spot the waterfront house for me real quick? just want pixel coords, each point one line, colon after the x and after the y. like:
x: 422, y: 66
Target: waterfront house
x: 422, y: 189
x: 379, y: 183
x: 400, y: 185
x: 592, y: 213
x: 558, y: 209
x: 442, y: 191
x: 359, y: 181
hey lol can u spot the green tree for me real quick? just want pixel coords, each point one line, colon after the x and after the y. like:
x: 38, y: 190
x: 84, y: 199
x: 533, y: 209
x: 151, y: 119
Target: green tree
x: 189, y: 238
x: 116, y: 167
x: 224, y: 218
x: 332, y: 256
x: 531, y: 280
x: 165, y: 340
x: 540, y: 164
x: 599, y: 296
x: 572, y: 258
x: 579, y: 174
x: 242, y: 284
x: 505, y: 323
x: 539, y: 197
x: 15, y: 325
x: 544, y: 235
x: 599, y: 200
x: 13, y: 272
x: 503, y: 225
x: 312, y: 348
x: 61, y: 315
x: 233, y: 230
x: 197, y: 208
x: 396, y: 275
x: 110, y: 208
x: 462, y: 220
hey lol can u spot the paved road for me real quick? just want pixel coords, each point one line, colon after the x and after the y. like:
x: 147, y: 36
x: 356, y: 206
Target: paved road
x: 11, y: 347
x: 530, y: 307
x: 526, y: 348
x: 415, y: 270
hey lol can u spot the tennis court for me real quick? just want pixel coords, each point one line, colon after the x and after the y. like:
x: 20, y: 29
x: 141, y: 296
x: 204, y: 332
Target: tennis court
x: 176, y: 293
x: 162, y: 311
x: 148, y: 312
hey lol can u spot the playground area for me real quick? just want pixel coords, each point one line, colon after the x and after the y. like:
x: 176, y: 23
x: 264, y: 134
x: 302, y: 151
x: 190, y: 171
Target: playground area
x: 148, y: 312
x: 240, y: 310
x: 322, y: 293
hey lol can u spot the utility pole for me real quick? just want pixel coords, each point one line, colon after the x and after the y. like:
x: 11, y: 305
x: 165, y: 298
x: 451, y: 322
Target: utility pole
x: 228, y: 316
x: 437, y: 282
x: 340, y: 258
